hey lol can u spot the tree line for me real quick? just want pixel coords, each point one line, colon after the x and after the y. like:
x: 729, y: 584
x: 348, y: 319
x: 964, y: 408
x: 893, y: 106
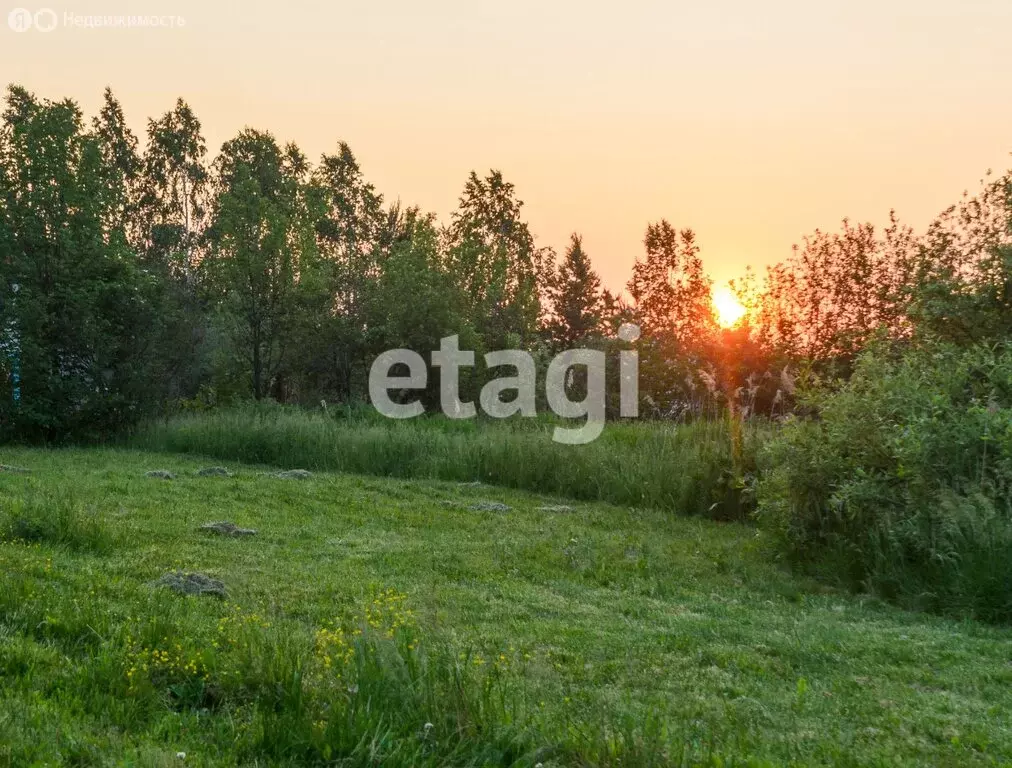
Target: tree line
x: 136, y: 280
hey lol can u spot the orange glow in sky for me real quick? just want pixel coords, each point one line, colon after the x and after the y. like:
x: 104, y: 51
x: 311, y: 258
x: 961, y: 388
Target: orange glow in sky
x: 752, y: 123
x: 728, y: 309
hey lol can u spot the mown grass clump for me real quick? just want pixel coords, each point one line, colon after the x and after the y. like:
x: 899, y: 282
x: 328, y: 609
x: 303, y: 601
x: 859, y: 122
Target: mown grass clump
x: 692, y: 469
x: 904, y: 484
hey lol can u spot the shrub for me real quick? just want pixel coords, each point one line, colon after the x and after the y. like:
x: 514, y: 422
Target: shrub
x: 903, y: 483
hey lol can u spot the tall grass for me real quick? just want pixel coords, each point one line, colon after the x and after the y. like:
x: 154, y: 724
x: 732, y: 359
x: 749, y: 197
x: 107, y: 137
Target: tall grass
x: 694, y: 469
x: 37, y: 517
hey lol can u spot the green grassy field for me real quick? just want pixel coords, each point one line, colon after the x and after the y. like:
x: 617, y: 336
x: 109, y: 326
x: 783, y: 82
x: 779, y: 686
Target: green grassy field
x: 381, y: 621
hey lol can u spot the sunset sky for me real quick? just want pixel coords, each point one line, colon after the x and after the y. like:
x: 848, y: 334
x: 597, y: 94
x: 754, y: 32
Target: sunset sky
x: 752, y: 123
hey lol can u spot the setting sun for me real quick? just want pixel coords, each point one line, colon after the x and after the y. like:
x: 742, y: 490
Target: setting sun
x: 729, y: 310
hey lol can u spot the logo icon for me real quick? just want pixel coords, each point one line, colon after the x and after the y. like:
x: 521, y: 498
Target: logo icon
x: 45, y: 20
x: 20, y: 19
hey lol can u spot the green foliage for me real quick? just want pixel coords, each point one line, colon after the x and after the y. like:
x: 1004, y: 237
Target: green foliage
x: 974, y: 310
x: 903, y: 483
x: 415, y: 301
x: 76, y: 303
x: 263, y: 252
x: 837, y: 289
x: 669, y: 287
x: 671, y: 295
x: 172, y: 189
x: 146, y: 278
x: 353, y: 234
x: 579, y: 307
x: 493, y: 257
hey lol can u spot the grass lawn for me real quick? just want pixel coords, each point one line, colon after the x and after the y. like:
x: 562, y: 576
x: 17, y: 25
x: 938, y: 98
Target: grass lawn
x: 581, y: 636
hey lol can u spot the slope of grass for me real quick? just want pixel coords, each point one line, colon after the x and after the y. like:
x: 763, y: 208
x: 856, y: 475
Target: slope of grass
x: 686, y: 469
x: 595, y: 635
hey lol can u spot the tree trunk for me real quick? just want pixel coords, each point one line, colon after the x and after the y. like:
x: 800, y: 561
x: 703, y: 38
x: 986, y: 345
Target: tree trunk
x: 257, y: 370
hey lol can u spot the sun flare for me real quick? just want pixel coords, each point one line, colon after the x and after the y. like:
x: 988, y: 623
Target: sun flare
x: 729, y: 310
